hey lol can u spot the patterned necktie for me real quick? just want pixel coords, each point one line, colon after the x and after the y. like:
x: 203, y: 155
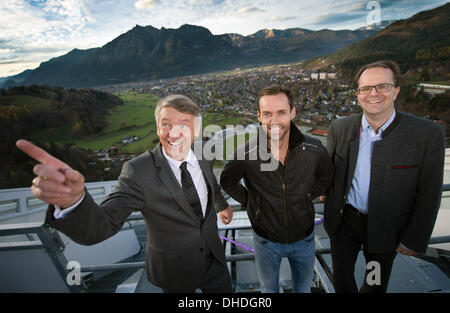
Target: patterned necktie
x: 190, y: 191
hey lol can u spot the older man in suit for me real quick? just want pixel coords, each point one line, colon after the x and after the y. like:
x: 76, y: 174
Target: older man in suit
x: 174, y: 189
x: 387, y: 185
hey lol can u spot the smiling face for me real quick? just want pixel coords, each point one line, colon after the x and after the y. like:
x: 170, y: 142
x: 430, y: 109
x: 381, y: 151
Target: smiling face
x: 375, y: 104
x: 275, y: 113
x: 176, y: 132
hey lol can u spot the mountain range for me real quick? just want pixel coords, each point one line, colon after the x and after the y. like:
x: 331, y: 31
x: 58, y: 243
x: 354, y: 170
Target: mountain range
x: 146, y: 53
x: 419, y: 42
x: 149, y: 53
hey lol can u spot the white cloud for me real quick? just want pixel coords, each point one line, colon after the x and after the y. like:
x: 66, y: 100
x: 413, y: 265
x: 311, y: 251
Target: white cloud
x: 281, y: 18
x: 27, y: 24
x: 245, y: 10
x: 145, y: 4
x: 31, y: 33
x: 35, y: 31
x: 2, y: 51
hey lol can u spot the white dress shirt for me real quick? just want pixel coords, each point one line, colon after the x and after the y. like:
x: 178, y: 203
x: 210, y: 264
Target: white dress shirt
x: 193, y: 168
x: 358, y: 194
x: 196, y: 173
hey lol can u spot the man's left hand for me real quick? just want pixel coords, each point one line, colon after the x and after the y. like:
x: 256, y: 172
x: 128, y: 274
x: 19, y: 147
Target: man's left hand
x: 405, y: 251
x: 226, y: 215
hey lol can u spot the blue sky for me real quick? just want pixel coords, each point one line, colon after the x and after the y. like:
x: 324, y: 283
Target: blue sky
x: 33, y: 31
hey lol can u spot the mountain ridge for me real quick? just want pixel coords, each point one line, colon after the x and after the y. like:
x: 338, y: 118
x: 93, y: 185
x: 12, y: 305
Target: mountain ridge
x: 145, y: 52
x: 420, y: 41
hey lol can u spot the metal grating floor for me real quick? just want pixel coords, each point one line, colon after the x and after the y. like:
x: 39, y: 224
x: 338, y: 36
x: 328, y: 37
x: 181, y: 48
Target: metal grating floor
x: 422, y: 276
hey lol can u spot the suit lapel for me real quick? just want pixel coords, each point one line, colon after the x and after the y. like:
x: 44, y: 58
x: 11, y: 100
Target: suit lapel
x: 169, y: 180
x: 353, y: 151
x: 353, y: 157
x: 391, y: 138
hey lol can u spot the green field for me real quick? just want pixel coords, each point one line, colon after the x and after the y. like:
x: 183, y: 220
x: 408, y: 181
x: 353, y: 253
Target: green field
x: 223, y: 119
x: 134, y: 118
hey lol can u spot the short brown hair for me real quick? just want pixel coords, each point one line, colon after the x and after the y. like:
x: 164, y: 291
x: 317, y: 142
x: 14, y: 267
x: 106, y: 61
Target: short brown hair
x: 275, y: 90
x: 178, y: 102
x: 393, y: 66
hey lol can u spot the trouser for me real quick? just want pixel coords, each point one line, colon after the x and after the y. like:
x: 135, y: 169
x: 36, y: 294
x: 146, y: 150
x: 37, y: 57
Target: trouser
x: 345, y: 245
x: 216, y: 278
x: 300, y: 254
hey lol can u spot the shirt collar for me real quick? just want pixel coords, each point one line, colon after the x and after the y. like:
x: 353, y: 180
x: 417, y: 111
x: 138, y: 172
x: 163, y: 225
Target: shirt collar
x: 365, y: 124
x: 190, y: 158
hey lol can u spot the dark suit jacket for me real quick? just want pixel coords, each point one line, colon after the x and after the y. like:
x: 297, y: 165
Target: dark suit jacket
x: 176, y: 239
x: 405, y: 184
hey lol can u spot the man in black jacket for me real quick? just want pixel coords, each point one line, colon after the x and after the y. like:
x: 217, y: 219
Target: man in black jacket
x: 279, y: 199
x: 387, y: 184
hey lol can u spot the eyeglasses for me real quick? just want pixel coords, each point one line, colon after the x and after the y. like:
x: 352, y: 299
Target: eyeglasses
x: 381, y: 88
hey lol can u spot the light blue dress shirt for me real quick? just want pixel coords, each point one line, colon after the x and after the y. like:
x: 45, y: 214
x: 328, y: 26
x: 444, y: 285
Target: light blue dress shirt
x: 358, y: 195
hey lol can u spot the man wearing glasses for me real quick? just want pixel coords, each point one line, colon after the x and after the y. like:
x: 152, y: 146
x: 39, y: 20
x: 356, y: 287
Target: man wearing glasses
x: 387, y: 186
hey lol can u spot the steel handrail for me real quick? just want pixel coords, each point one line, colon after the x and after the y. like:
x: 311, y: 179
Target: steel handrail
x: 26, y: 228
x: 228, y: 258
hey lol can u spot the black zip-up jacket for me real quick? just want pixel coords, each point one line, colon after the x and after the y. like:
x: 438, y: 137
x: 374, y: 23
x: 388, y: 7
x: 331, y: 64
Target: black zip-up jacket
x: 279, y: 202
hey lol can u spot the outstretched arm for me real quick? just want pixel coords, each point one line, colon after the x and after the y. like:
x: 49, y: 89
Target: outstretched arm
x: 89, y: 223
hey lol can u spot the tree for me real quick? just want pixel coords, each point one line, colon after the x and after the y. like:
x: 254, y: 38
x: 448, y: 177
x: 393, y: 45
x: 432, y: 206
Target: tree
x: 77, y: 129
x: 425, y: 76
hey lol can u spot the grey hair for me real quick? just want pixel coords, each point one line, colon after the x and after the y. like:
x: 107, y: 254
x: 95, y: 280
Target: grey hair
x: 178, y: 102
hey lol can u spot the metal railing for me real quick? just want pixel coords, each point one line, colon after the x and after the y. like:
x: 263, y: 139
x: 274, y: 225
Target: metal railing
x: 52, y: 242
x: 19, y: 202
x: 229, y: 258
x: 50, y: 239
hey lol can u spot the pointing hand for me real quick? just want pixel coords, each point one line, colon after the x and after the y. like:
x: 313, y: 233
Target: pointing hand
x: 56, y: 182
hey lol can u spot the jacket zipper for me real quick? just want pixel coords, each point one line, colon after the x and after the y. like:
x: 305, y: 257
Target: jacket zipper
x: 283, y: 184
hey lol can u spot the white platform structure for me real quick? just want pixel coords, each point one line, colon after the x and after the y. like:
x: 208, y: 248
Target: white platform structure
x: 35, y: 257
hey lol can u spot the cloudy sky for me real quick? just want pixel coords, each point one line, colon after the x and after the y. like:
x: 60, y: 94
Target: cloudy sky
x: 33, y: 31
